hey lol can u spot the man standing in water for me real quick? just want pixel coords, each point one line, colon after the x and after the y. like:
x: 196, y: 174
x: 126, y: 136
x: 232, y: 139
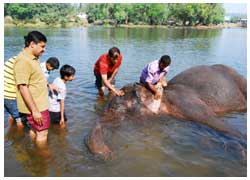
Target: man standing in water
x: 10, y: 104
x: 105, y: 70
x: 32, y: 90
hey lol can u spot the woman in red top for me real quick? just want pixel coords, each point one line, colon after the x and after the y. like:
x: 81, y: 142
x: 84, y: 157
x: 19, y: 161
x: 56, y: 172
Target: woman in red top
x: 105, y: 70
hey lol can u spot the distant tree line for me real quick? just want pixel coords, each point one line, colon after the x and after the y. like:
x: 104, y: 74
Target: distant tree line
x: 234, y: 18
x: 158, y: 14
x: 49, y: 13
x: 187, y: 14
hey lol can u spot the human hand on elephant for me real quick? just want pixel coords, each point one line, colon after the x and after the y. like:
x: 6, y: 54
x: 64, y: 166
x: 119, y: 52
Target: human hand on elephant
x: 120, y: 93
x: 164, y: 84
x: 157, y: 96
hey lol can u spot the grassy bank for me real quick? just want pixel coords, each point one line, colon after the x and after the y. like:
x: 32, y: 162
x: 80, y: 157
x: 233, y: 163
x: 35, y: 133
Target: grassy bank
x: 42, y: 24
x: 224, y: 25
x: 10, y: 22
x: 74, y: 24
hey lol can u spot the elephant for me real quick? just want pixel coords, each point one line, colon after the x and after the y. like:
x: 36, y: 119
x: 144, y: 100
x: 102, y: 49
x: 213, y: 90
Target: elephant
x: 201, y: 94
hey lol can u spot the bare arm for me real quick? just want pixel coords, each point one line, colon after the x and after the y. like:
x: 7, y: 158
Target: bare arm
x: 113, y: 75
x: 107, y: 84
x: 62, y: 111
x: 163, y: 81
x: 153, y: 90
x: 52, y: 87
x: 30, y: 103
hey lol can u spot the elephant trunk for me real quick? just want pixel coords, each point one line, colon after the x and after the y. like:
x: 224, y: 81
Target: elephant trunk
x: 96, y: 143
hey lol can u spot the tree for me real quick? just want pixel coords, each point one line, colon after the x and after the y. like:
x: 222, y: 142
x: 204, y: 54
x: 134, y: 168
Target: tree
x: 121, y: 13
x: 19, y: 11
x: 48, y: 13
x: 97, y: 12
x: 194, y: 13
x: 157, y: 14
x: 140, y: 13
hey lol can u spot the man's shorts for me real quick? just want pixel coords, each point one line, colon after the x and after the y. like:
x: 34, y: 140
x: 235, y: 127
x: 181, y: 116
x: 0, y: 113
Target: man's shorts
x: 45, y: 124
x: 56, y: 117
x: 99, y: 83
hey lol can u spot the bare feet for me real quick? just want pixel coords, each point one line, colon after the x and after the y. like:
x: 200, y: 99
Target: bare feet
x: 11, y: 121
x: 20, y: 125
x: 32, y: 135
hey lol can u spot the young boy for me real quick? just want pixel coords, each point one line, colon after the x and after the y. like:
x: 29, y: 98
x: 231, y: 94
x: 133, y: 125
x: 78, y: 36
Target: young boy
x: 51, y: 64
x: 56, y: 99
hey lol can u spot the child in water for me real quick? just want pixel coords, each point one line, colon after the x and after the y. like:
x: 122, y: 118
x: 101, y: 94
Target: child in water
x: 56, y: 99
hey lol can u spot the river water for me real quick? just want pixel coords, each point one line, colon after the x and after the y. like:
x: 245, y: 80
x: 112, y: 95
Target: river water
x: 154, y: 147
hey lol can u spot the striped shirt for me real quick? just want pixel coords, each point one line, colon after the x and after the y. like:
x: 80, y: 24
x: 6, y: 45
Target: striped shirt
x: 9, y: 81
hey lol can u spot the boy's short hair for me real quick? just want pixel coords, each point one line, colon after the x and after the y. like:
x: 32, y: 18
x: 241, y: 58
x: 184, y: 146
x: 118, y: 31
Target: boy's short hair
x: 34, y: 36
x: 54, y: 62
x: 113, y: 50
x: 67, y: 70
x: 165, y: 60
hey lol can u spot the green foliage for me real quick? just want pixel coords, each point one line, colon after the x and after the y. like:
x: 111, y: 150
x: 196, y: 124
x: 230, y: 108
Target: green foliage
x: 234, y: 19
x: 128, y: 13
x: 49, y: 13
x: 121, y: 13
x: 187, y: 14
x: 18, y: 11
x: 192, y: 14
x: 97, y: 12
x: 158, y: 14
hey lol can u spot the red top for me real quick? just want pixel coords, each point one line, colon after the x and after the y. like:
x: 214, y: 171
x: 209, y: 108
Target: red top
x: 104, y: 66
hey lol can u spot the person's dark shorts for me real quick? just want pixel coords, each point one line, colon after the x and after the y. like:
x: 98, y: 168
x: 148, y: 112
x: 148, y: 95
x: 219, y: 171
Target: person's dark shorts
x: 46, y: 121
x: 56, y: 117
x: 99, y: 83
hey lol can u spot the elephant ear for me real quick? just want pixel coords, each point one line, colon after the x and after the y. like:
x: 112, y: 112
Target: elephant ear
x: 191, y: 107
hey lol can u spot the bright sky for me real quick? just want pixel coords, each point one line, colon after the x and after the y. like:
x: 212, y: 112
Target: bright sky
x: 235, y: 8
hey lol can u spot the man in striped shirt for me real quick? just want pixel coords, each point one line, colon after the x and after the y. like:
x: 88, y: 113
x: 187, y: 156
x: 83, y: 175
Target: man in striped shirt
x: 10, y: 104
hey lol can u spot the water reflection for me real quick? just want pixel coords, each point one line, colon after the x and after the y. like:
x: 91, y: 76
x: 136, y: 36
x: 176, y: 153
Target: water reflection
x: 151, y: 34
x: 36, y: 160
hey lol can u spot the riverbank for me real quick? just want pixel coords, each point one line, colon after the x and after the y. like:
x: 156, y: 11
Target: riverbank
x: 224, y: 25
x: 42, y: 25
x: 38, y: 23
x: 10, y: 22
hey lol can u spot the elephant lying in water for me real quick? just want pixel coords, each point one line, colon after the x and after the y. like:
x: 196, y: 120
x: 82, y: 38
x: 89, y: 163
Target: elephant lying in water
x: 199, y: 94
